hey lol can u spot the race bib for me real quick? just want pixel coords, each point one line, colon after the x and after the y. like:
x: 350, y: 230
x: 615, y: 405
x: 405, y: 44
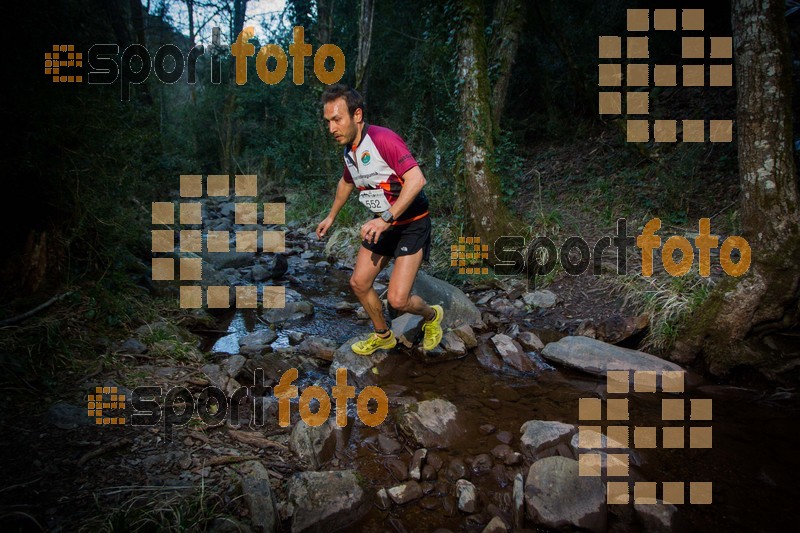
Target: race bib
x: 374, y: 199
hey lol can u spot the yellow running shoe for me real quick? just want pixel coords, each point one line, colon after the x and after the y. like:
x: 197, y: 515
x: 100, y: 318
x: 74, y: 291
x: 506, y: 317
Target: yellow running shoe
x: 373, y: 343
x: 433, y: 330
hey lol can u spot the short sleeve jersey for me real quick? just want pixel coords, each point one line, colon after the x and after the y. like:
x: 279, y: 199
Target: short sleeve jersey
x: 379, y: 162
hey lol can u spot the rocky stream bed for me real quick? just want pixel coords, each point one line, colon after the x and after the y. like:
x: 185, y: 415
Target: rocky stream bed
x: 481, y: 434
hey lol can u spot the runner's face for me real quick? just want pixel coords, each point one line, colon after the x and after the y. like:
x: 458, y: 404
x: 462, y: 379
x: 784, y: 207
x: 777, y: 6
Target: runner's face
x: 341, y: 125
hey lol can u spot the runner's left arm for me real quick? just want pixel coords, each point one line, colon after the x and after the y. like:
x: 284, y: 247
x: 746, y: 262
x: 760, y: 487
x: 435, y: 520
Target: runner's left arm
x: 413, y: 182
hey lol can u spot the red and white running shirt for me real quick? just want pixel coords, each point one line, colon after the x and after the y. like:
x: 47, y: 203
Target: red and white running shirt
x: 376, y: 167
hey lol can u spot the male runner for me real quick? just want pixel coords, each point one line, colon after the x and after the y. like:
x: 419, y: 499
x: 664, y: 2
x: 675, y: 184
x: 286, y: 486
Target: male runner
x: 378, y: 162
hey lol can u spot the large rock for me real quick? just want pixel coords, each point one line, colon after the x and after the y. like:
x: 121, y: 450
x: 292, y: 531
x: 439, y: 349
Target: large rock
x: 326, y: 501
x: 513, y: 354
x: 233, y: 365
x: 488, y: 358
x: 319, y: 347
x: 66, y: 416
x: 232, y: 259
x: 359, y: 367
x: 655, y: 515
x: 607, y: 446
x: 431, y: 424
x: 466, y: 334
x: 258, y: 497
x: 540, y: 437
x: 453, y: 345
x: 315, y: 445
x: 597, y: 357
x: 290, y: 311
x: 408, y: 329
x: 530, y: 341
x: 257, y: 342
x: 458, y: 308
x: 557, y: 497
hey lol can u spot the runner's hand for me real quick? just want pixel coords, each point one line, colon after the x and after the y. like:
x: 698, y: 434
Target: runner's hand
x: 371, y: 231
x: 322, y: 227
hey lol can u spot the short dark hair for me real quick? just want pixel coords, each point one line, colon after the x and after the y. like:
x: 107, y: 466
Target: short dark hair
x: 351, y: 96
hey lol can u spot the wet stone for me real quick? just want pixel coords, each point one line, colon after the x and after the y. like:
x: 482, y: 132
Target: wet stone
x: 456, y: 469
x: 499, y: 475
x: 326, y: 500
x: 505, y: 437
x: 495, y: 525
x: 382, y: 500
x: 488, y: 358
x: 296, y: 337
x: 415, y: 470
x: 405, y: 492
x: 541, y: 437
x: 430, y: 423
x: 501, y: 451
x: 435, y: 460
x: 467, y: 335
x: 556, y: 496
x: 467, y: 496
x: 452, y: 344
x: 397, y: 469
x: 487, y: 429
x: 482, y: 464
x: 656, y: 515
x: 530, y: 341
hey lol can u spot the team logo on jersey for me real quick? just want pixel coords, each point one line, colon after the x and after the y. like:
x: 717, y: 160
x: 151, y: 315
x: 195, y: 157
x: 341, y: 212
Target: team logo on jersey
x: 365, y: 157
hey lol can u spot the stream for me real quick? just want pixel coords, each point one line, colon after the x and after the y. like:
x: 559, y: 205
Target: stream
x: 752, y: 462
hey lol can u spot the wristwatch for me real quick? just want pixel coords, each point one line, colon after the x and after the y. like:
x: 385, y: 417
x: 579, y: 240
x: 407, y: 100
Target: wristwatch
x: 387, y: 216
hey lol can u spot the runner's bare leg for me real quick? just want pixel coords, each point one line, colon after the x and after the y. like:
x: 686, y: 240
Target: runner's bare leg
x: 403, y: 276
x: 368, y: 266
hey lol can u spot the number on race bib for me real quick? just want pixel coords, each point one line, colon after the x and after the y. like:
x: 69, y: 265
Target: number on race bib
x: 374, y: 200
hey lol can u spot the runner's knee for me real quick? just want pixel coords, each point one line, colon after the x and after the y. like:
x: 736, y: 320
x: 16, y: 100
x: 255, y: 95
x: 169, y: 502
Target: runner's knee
x: 358, y: 285
x: 398, y: 301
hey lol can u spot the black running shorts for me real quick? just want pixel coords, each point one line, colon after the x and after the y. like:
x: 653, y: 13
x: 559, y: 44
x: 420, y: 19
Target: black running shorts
x: 405, y: 239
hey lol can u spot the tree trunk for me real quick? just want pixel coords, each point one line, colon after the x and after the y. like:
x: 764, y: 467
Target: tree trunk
x: 324, y: 21
x: 137, y: 19
x: 237, y: 21
x: 364, y: 42
x: 488, y: 217
x: 741, y: 322
x: 508, y: 20
x: 190, y: 12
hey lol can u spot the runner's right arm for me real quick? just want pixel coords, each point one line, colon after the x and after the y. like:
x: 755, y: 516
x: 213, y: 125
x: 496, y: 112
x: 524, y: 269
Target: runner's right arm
x: 343, y: 190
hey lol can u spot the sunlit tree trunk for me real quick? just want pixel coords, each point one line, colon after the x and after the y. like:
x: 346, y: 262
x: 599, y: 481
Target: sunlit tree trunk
x: 742, y: 321
x: 487, y: 214
x: 364, y: 43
